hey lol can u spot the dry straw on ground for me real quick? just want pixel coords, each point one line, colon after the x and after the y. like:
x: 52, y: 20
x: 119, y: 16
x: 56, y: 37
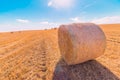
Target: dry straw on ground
x: 81, y: 42
x: 35, y: 55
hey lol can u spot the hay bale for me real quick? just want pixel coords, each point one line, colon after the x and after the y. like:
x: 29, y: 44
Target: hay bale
x: 80, y: 42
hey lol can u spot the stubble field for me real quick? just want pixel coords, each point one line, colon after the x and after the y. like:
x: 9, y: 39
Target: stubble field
x: 35, y: 55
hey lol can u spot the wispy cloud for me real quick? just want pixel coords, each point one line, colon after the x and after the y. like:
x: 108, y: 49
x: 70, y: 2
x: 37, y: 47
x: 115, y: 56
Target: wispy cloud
x: 77, y: 19
x: 102, y: 20
x: 107, y: 20
x: 22, y: 20
x: 61, y: 3
x: 47, y: 24
x: 30, y: 26
x: 87, y: 5
x: 44, y: 22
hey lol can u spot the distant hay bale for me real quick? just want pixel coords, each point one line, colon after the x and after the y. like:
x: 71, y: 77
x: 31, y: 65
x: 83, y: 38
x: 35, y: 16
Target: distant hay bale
x: 11, y: 32
x: 80, y: 42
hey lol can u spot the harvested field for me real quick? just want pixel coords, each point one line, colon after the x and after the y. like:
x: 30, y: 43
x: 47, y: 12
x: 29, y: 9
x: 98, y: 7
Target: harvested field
x: 35, y: 55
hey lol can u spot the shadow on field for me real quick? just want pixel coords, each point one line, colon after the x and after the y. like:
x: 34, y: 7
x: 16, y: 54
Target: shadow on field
x: 91, y: 70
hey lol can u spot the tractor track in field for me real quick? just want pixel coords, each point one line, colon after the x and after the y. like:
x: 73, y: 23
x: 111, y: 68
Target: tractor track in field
x: 114, y: 41
x: 36, y: 56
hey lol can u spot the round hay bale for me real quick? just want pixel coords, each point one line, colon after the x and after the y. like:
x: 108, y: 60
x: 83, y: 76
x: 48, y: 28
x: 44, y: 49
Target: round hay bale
x: 80, y: 42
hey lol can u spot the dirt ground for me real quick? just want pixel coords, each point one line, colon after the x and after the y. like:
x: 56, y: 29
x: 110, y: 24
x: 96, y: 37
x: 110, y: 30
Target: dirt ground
x: 35, y: 55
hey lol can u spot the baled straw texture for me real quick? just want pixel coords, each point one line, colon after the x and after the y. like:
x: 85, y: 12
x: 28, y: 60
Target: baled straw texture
x: 80, y: 42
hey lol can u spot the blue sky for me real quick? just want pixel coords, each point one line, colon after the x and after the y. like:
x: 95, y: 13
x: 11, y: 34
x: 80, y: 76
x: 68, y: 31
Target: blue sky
x: 41, y: 14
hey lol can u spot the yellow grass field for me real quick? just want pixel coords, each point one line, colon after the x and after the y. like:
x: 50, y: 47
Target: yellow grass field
x: 35, y: 55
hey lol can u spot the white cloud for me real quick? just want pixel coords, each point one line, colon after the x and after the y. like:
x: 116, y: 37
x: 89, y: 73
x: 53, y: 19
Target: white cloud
x: 103, y: 20
x: 47, y: 24
x: 31, y: 26
x: 89, y: 4
x: 77, y: 19
x: 44, y: 22
x: 107, y: 20
x: 61, y: 3
x: 22, y: 20
x: 50, y: 3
